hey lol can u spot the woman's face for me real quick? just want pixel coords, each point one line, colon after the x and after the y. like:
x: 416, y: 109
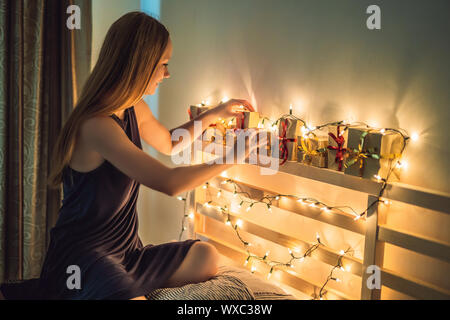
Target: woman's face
x: 161, y: 70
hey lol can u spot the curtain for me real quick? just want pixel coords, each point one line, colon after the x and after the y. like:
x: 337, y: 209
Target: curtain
x: 43, y: 65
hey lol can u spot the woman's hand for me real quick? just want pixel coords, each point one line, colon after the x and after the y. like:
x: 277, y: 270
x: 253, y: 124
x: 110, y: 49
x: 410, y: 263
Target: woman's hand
x: 231, y: 108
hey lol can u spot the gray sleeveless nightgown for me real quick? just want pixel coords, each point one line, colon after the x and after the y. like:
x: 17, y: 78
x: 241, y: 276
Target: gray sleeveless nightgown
x: 97, y: 230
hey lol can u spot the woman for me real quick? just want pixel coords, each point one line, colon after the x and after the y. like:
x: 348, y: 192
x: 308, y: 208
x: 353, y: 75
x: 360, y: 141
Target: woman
x: 99, y: 160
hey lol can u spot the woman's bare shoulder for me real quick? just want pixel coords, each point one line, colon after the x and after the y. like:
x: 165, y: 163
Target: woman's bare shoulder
x: 85, y: 158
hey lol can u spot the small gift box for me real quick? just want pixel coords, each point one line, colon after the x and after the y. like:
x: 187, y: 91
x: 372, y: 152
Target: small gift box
x: 262, y: 135
x: 370, y: 152
x: 251, y: 120
x: 195, y: 111
x: 337, y: 147
x: 313, y: 151
x: 288, y: 131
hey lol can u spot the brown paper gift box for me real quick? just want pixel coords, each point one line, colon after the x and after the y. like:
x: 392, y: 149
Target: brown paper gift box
x: 386, y: 145
x: 251, y: 120
x: 293, y: 130
x: 343, y: 130
x: 316, y: 145
x: 197, y: 110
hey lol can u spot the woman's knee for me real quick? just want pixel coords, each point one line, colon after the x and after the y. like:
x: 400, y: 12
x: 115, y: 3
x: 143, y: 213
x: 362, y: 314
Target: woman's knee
x: 207, y: 256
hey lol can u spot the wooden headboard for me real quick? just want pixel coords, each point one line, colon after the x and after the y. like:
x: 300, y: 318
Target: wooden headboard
x: 407, y: 238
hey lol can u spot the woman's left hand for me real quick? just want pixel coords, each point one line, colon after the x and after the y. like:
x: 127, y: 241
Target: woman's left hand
x: 232, y: 107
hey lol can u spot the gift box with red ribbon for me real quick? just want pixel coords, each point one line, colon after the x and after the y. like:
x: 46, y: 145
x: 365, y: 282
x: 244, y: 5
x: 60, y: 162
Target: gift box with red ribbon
x: 372, y: 153
x: 288, y: 131
x: 313, y: 151
x: 337, y: 147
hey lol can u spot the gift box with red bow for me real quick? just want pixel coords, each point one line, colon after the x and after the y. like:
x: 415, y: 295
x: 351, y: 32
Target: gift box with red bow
x: 288, y: 131
x: 337, y: 147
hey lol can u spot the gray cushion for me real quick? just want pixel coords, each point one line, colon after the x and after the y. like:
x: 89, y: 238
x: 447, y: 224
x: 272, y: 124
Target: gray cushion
x: 230, y: 283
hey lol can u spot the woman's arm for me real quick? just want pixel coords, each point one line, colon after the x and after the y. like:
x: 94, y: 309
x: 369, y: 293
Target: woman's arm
x: 104, y: 136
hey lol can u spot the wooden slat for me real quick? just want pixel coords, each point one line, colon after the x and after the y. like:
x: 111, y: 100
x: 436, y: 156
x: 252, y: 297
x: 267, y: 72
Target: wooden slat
x: 425, y: 198
x: 373, y: 252
x: 427, y: 246
x: 338, y: 219
x: 290, y: 278
x: 323, y: 253
x: 413, y: 287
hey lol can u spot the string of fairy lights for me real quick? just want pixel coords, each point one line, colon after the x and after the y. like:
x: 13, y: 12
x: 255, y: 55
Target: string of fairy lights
x: 267, y: 201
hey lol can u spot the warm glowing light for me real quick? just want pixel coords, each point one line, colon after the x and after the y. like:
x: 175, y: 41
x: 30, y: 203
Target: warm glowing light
x: 338, y: 280
x: 317, y: 236
x: 383, y: 131
x: 301, y: 259
x: 348, y: 268
x: 386, y: 202
x: 239, y: 223
x: 228, y: 223
x: 204, y: 187
x: 225, y: 99
x: 206, y: 204
x: 402, y: 165
x: 377, y: 177
x: 180, y: 198
x: 414, y: 136
x: 277, y: 198
x: 357, y: 217
x: 219, y: 193
x: 253, y: 269
x: 342, y: 252
x: 191, y: 215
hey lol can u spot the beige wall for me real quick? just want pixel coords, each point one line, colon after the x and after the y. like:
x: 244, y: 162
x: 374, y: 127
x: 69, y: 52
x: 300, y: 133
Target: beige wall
x: 104, y: 13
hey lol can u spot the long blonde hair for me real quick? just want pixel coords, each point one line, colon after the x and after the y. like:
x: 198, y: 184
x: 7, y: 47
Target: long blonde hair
x: 129, y: 55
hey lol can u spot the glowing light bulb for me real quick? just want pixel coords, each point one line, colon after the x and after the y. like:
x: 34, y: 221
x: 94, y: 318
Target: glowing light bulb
x: 317, y: 236
x: 383, y: 131
x: 253, y: 269
x: 386, y: 202
x: 301, y: 259
x: 377, y: 177
x: 290, y: 108
x: 225, y: 99
x: 342, y: 252
x: 228, y: 223
x: 219, y: 193
x: 414, y: 136
x: 357, y: 217
x: 191, y: 215
x: 204, y: 187
x: 180, y: 198
x: 239, y: 223
x: 338, y: 280
x: 277, y: 198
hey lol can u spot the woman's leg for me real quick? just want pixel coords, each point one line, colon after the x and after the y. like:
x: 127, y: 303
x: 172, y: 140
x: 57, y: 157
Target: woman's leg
x: 200, y: 264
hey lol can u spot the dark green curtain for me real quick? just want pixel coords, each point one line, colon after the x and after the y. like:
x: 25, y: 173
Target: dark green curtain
x: 43, y: 65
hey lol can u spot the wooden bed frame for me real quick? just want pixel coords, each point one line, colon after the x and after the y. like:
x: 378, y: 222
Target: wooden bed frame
x: 386, y: 244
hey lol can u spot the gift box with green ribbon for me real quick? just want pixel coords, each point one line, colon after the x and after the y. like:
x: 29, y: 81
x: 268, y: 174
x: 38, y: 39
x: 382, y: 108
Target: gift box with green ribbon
x: 288, y: 131
x: 313, y: 151
x: 372, y: 153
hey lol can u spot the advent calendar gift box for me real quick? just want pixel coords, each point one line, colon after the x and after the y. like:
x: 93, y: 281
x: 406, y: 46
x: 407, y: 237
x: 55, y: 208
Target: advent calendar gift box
x: 251, y: 120
x: 313, y: 151
x: 337, y: 147
x: 371, y: 152
x: 195, y: 111
x: 288, y: 131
